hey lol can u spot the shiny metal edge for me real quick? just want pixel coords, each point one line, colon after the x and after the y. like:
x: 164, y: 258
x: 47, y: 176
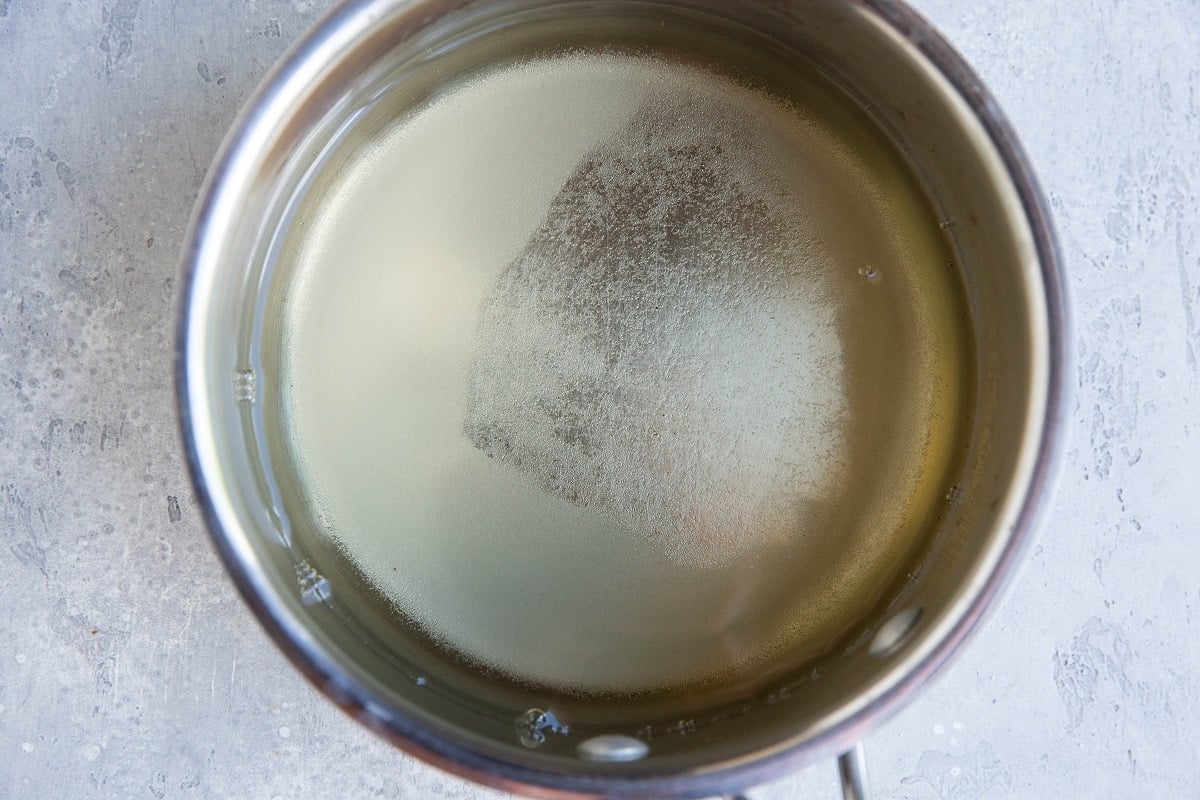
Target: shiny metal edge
x: 353, y: 18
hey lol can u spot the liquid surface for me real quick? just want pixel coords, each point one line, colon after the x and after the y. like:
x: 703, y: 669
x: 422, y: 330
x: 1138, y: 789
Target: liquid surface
x: 614, y: 374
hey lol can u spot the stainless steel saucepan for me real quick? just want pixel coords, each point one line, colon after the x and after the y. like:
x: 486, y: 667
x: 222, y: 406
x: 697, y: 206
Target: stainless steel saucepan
x: 919, y: 91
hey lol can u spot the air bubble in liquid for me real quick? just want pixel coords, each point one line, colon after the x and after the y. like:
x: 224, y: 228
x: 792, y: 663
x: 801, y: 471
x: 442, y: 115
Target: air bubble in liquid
x: 244, y: 390
x: 534, y: 724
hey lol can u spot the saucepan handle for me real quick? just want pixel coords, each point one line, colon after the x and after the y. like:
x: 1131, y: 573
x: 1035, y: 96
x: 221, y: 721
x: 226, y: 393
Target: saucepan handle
x: 852, y: 769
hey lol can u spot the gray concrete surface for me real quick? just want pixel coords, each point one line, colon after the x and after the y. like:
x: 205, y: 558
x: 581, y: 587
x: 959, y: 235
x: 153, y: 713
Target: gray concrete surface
x: 128, y: 666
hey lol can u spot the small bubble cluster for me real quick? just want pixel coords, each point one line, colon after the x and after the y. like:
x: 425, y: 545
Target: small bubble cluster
x: 244, y: 386
x: 314, y: 587
x: 533, y: 726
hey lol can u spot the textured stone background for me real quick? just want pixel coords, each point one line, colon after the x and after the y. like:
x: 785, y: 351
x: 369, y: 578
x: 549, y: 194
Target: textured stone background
x: 129, y: 668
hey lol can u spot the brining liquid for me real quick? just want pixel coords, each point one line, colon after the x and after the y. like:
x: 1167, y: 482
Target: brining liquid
x: 615, y: 372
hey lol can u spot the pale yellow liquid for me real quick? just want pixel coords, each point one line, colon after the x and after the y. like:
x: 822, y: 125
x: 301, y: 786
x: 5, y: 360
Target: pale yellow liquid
x: 595, y: 438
